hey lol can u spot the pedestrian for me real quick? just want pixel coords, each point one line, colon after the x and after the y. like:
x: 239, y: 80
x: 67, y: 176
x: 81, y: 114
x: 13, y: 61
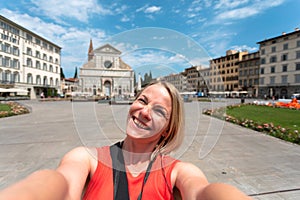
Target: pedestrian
x: 138, y: 167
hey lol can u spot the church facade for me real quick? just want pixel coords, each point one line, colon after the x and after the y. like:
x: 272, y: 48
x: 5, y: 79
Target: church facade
x: 105, y: 74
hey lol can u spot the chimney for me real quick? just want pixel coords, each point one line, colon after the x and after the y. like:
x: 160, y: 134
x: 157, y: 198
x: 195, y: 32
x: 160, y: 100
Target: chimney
x: 283, y: 33
x: 296, y: 29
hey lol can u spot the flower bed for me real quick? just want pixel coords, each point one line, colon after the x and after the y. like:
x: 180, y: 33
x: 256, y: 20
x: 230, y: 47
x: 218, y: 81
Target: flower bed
x: 15, y: 109
x: 268, y: 128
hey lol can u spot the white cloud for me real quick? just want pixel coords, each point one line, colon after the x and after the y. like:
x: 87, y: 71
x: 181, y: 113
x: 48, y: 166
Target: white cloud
x: 77, y: 9
x: 125, y: 19
x: 244, y: 47
x: 229, y: 4
x: 238, y: 13
x: 239, y: 9
x: 152, y: 9
x: 149, y: 9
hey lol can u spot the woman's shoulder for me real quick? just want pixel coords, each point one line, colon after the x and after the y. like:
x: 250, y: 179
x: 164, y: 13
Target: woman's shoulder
x: 87, y: 152
x: 186, y: 170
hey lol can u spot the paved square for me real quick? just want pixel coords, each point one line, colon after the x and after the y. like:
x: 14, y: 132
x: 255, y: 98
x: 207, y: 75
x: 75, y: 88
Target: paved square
x: 251, y: 161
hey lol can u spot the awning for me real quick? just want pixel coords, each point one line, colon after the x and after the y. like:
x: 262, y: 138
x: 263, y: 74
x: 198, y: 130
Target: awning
x: 18, y: 90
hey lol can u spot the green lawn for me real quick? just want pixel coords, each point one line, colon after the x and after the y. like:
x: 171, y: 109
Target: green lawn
x: 12, y: 108
x: 4, y: 107
x: 282, y: 123
x: 286, y: 118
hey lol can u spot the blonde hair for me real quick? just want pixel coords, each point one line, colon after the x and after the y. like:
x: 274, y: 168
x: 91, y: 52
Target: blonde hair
x: 175, y: 129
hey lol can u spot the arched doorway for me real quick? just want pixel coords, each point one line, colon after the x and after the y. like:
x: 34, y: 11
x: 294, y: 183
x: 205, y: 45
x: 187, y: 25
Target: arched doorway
x: 107, y: 88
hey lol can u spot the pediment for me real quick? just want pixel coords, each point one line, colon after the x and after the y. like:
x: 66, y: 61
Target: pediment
x: 107, y: 49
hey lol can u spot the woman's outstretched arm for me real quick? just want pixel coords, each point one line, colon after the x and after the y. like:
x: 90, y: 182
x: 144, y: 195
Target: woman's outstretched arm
x: 193, y: 184
x: 43, y: 184
x: 64, y: 183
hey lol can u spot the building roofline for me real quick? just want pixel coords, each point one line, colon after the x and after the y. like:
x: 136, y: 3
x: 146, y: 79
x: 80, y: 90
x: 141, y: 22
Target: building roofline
x: 280, y: 36
x: 27, y: 30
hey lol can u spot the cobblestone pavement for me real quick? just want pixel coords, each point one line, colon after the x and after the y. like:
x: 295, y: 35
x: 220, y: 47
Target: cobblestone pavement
x: 253, y: 162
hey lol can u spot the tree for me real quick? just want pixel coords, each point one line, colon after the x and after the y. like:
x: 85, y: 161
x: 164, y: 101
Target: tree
x: 75, y: 74
x: 62, y: 75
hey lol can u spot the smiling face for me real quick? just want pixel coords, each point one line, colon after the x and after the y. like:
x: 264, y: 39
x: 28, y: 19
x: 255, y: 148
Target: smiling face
x: 149, y: 114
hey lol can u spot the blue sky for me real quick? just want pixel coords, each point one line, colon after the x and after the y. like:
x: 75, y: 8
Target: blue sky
x: 161, y: 36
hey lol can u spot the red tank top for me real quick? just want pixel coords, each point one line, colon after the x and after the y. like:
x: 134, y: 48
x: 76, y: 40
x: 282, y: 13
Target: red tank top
x: 156, y: 187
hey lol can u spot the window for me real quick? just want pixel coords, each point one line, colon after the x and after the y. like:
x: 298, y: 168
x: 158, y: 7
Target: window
x: 284, y: 79
x: 29, y: 51
x: 29, y: 78
x: 29, y: 37
x: 37, y: 54
x: 7, y: 48
x: 284, y: 68
x: 45, y: 66
x: 6, y: 62
x: 297, y: 78
x: 272, y: 79
x: 37, y: 41
x: 38, y: 80
x: 272, y: 69
x: 273, y: 59
x: 284, y: 57
x: 285, y: 46
x: 16, y: 51
x: 45, y: 45
x: 56, y: 82
x: 263, y: 51
x: 38, y: 65
x: 250, y: 71
x: 29, y: 62
x: 262, y: 80
x: 297, y: 66
x: 250, y: 82
x: 297, y: 54
x: 15, y: 63
x: 44, y: 56
x: 262, y: 70
x: 273, y: 49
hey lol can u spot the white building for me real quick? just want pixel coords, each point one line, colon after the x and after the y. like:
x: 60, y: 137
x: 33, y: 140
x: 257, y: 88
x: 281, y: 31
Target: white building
x: 28, y: 61
x: 178, y: 80
x: 280, y: 65
x: 105, y: 74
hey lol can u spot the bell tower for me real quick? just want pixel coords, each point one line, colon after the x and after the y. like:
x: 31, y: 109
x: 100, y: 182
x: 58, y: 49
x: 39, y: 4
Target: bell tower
x: 91, y: 51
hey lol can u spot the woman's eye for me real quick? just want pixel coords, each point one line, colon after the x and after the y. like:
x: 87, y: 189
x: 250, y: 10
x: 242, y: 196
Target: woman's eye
x: 143, y: 101
x: 160, y: 112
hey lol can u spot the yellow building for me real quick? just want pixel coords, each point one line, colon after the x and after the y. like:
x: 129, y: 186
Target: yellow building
x: 224, y: 71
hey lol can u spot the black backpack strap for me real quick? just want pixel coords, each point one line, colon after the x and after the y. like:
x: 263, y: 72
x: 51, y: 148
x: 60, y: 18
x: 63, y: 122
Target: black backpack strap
x: 119, y: 173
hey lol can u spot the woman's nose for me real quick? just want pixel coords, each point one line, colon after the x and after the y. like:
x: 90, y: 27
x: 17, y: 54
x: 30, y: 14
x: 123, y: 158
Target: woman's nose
x: 146, y: 112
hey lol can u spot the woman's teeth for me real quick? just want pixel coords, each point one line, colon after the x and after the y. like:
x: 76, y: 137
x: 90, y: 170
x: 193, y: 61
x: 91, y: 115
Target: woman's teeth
x: 139, y: 124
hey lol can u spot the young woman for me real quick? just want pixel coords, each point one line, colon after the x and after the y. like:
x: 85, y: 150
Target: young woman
x: 138, y: 167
